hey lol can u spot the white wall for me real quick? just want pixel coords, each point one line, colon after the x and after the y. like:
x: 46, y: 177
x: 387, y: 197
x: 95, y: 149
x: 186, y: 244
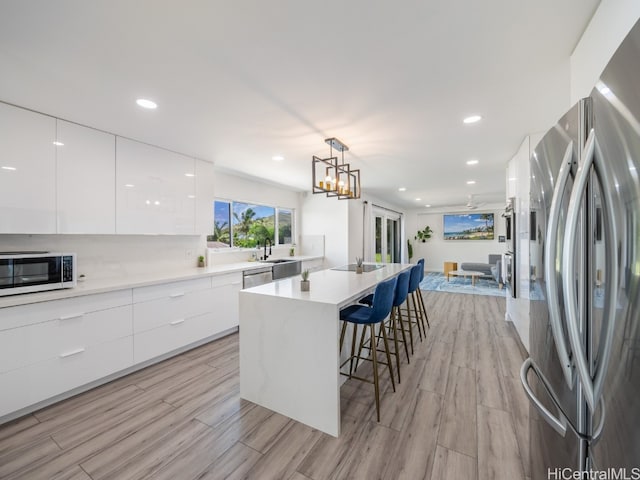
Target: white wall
x: 252, y: 190
x: 329, y: 217
x: 608, y: 27
x: 436, y: 250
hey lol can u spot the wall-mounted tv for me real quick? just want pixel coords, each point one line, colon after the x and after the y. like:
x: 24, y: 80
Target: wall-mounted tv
x: 468, y: 226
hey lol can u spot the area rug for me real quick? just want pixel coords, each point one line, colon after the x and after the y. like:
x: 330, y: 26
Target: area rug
x: 436, y: 281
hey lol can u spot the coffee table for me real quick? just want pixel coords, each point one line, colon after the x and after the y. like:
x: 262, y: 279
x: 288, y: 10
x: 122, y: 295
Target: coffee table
x: 465, y: 274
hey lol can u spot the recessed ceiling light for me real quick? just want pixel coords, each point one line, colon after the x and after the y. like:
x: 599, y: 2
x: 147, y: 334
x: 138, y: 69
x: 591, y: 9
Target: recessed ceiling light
x: 189, y: 175
x: 58, y: 144
x: 604, y: 90
x: 145, y: 103
x: 277, y: 158
x: 129, y: 185
x: 418, y: 199
x: 191, y: 196
x: 156, y: 202
x: 402, y: 189
x: 9, y: 168
x: 472, y: 162
x: 471, y: 182
x: 472, y: 119
x: 428, y: 205
x: 148, y: 202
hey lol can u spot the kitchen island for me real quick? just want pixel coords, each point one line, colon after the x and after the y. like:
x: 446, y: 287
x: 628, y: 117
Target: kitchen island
x: 289, y: 352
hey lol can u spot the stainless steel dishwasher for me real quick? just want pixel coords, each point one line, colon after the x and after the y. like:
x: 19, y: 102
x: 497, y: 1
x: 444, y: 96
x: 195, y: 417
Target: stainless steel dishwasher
x: 258, y: 276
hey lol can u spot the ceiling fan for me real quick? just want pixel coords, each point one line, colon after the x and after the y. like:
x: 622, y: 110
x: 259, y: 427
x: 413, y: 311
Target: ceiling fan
x: 472, y: 204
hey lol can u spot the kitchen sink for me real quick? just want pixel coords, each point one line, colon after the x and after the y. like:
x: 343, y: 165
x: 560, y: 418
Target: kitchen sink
x: 283, y: 267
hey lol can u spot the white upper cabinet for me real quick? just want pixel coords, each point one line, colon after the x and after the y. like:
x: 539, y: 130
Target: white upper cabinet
x: 155, y: 190
x: 27, y: 171
x: 86, y: 178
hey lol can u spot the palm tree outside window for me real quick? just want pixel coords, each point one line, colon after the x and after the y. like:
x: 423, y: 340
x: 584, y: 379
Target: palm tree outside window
x: 245, y: 225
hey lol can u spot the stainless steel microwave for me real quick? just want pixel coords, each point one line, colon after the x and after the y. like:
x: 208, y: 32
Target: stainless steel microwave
x: 27, y: 272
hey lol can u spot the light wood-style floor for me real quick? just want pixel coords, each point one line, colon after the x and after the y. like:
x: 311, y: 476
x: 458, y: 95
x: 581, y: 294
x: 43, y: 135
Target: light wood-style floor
x: 459, y: 413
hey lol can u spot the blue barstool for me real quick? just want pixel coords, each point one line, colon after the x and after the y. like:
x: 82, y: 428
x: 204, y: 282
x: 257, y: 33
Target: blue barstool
x: 412, y: 304
x: 370, y: 316
x: 399, y: 297
x: 419, y: 293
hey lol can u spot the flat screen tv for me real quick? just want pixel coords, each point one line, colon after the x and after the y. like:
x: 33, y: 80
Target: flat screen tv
x: 468, y: 226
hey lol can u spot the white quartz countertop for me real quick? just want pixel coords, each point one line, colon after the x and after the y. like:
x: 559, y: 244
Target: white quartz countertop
x: 101, y: 285
x: 336, y: 287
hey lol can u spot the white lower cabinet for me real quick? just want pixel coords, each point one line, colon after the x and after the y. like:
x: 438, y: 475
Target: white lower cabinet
x: 50, y: 348
x: 171, y: 336
x: 224, y: 300
x: 20, y: 347
x: 171, y: 316
x: 71, y: 369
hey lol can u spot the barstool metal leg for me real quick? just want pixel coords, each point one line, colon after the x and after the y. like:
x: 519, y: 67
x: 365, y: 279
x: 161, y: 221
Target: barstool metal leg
x: 393, y: 325
x: 424, y: 308
x: 398, y: 313
x: 410, y: 325
x: 353, y: 348
x: 342, y: 334
x: 417, y: 313
x: 386, y: 351
x: 375, y: 370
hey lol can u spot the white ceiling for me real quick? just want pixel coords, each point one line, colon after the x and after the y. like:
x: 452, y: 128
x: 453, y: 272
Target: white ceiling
x: 240, y: 81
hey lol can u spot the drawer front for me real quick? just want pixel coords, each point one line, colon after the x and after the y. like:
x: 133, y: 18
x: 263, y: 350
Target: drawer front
x: 227, y: 279
x: 22, y: 315
x: 29, y: 385
x: 173, y: 289
x: 157, y: 313
x: 24, y: 346
x: 164, y: 339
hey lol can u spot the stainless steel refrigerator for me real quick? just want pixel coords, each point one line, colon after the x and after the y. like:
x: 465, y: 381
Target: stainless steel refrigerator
x: 583, y: 375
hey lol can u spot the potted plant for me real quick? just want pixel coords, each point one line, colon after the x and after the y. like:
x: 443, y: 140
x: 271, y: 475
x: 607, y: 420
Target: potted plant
x: 409, y: 250
x: 359, y: 261
x: 292, y: 250
x: 305, y: 283
x: 424, y: 235
x: 201, y: 261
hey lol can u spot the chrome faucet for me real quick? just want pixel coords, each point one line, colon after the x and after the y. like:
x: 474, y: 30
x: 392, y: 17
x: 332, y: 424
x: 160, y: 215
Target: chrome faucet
x: 265, y: 248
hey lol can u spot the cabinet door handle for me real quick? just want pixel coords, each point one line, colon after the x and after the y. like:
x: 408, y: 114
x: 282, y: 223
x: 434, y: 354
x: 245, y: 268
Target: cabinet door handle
x: 72, y: 352
x: 176, y: 295
x: 177, y: 322
x: 70, y: 317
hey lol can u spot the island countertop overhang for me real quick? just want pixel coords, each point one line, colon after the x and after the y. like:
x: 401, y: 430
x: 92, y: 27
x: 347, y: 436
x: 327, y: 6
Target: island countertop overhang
x: 334, y: 287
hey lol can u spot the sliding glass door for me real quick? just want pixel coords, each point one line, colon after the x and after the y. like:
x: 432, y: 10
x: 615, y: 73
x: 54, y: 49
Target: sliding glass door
x: 387, y: 241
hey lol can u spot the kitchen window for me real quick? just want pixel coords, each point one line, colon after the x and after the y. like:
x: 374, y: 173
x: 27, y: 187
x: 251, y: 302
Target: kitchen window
x: 245, y: 225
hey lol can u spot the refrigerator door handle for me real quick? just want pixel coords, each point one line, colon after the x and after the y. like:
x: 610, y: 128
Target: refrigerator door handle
x: 559, y: 423
x: 550, y: 255
x: 592, y: 386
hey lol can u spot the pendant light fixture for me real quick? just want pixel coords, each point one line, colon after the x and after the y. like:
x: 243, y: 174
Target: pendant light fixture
x: 335, y: 178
